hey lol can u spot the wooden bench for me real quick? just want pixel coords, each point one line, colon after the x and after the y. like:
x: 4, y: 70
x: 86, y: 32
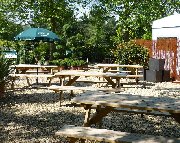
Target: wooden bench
x: 75, y: 133
x: 13, y: 77
x: 27, y: 76
x: 91, y: 81
x: 96, y: 81
x: 136, y: 77
x: 35, y: 72
x: 72, y: 88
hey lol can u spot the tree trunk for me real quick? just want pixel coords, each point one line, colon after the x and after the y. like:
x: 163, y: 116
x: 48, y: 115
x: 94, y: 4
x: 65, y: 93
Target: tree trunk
x: 2, y: 89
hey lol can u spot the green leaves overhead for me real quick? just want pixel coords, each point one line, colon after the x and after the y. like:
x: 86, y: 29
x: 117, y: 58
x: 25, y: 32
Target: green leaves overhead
x: 96, y: 33
x: 136, y: 17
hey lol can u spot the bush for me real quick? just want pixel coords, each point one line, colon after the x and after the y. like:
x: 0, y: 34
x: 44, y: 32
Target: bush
x: 68, y: 62
x: 130, y: 53
x: 5, y: 70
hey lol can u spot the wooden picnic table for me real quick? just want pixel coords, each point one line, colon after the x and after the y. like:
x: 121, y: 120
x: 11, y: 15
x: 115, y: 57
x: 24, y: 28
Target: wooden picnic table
x: 23, y: 69
x: 74, y: 75
x: 132, y: 69
x: 106, y: 67
x: 107, y: 102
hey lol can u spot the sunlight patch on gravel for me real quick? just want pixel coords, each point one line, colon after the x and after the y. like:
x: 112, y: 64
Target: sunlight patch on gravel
x: 34, y: 115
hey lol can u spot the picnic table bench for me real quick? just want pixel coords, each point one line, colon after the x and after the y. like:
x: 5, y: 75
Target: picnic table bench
x: 60, y: 89
x: 32, y: 71
x: 131, y: 70
x: 24, y: 68
x: 107, y: 102
x: 13, y: 77
x: 74, y: 76
x: 74, y: 133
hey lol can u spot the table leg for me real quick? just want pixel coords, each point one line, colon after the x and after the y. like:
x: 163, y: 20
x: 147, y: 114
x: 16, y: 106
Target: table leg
x: 82, y: 140
x: 28, y: 82
x: 97, y: 117
x: 12, y: 82
x: 99, y: 124
x: 176, y: 116
x: 110, y: 81
x: 71, y: 81
x: 37, y: 77
x: 61, y: 96
x: 61, y: 81
x: 50, y: 79
x: 106, y: 69
x: 87, y: 116
x: 72, y: 140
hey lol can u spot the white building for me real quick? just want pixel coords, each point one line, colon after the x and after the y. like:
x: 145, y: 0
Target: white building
x: 167, y: 27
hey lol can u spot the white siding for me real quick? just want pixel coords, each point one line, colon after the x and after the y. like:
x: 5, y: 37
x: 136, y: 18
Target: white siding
x: 166, y: 27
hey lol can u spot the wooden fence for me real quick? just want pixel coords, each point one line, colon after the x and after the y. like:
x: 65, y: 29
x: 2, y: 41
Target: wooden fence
x: 168, y: 49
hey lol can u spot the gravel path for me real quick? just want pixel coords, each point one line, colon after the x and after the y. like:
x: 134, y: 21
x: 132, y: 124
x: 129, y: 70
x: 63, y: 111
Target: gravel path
x: 34, y: 115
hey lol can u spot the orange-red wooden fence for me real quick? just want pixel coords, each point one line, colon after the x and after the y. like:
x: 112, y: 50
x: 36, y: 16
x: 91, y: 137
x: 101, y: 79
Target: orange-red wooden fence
x: 168, y: 49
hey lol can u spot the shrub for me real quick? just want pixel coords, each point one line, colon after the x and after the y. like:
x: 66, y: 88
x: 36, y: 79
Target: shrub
x: 130, y: 53
x: 5, y: 70
x: 68, y: 62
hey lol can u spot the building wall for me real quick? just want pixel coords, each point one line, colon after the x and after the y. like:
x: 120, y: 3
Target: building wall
x: 166, y: 32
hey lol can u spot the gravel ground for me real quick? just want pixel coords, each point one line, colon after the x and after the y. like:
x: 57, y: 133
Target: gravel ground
x: 30, y: 115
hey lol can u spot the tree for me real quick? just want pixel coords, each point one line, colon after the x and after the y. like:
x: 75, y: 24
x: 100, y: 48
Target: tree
x: 98, y: 30
x: 8, y: 29
x: 49, y: 14
x: 135, y: 18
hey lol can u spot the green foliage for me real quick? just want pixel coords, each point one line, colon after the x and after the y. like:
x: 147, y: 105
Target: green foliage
x: 136, y: 17
x: 130, y: 53
x: 62, y: 62
x: 8, y: 29
x: 12, y: 45
x: 92, y: 36
x: 78, y: 63
x: 68, y: 62
x: 33, y: 52
x: 5, y: 69
x: 41, y: 52
x: 8, y: 45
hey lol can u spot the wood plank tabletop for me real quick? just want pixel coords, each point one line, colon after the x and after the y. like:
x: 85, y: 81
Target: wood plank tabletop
x: 117, y: 65
x: 97, y: 74
x: 119, y: 100
x: 33, y: 66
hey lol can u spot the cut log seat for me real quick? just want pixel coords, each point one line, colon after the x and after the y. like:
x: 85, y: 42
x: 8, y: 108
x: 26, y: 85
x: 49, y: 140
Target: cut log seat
x: 74, y: 133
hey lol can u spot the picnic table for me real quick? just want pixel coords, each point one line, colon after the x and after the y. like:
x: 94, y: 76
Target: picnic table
x: 74, y: 75
x: 107, y: 67
x: 132, y: 70
x: 104, y: 103
x: 32, y: 70
x: 23, y: 68
x: 107, y: 102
